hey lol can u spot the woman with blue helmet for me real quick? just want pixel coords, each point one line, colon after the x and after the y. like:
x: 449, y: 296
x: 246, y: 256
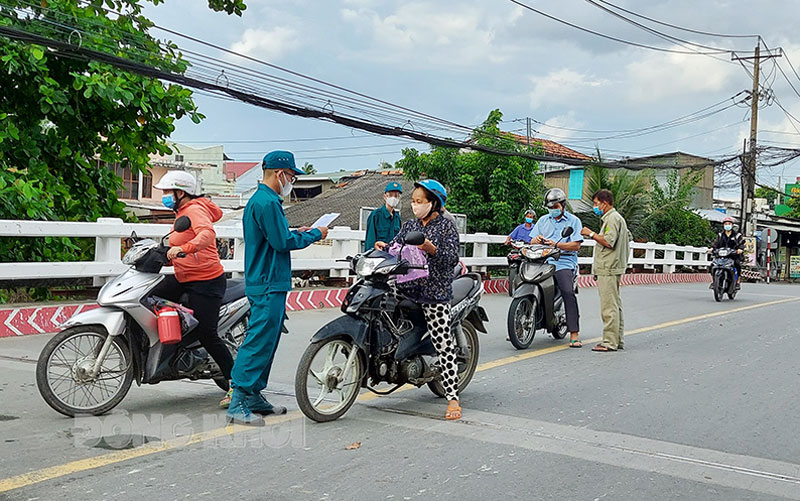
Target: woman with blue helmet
x: 435, y: 292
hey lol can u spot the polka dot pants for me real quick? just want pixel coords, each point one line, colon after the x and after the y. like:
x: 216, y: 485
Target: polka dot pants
x: 437, y: 316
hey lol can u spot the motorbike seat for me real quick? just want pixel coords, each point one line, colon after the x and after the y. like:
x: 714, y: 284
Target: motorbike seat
x: 234, y: 290
x: 463, y: 287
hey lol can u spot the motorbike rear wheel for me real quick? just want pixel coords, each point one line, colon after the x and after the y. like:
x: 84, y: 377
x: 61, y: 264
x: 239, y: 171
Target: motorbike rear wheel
x: 64, y: 367
x: 522, y: 321
x: 465, y: 376
x: 332, y: 394
x: 233, y: 340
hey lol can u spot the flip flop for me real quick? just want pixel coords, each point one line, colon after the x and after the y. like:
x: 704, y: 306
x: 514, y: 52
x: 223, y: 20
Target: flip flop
x: 453, y: 413
x: 575, y: 343
x: 602, y: 349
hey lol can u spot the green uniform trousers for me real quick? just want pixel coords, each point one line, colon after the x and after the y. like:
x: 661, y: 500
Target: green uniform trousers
x: 254, y: 360
x: 611, y: 311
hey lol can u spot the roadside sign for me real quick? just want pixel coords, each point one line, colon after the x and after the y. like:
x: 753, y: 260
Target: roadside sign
x: 794, y: 267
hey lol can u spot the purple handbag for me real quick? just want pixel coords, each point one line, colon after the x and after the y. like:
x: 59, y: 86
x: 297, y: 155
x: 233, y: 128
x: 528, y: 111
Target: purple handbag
x: 415, y: 257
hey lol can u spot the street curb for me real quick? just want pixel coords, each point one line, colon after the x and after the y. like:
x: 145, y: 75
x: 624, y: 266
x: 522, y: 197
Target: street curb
x: 25, y: 321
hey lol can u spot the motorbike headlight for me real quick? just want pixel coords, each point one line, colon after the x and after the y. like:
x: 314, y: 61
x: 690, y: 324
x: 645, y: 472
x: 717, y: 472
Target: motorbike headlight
x: 367, y: 265
x: 138, y: 251
x: 535, y: 253
x: 724, y: 252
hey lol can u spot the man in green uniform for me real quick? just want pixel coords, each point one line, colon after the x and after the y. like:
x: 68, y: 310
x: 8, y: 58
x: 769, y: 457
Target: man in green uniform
x: 383, y: 223
x: 268, y: 278
x: 610, y: 262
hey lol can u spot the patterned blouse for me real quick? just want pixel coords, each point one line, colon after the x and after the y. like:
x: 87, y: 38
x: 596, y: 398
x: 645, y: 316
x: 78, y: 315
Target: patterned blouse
x: 438, y: 286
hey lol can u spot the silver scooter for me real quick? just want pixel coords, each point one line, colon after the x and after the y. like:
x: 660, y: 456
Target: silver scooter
x: 88, y: 367
x: 537, y: 302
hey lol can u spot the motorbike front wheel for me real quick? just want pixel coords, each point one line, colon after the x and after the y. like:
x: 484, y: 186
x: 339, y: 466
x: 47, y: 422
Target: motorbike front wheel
x: 522, y: 321
x: 465, y: 376
x: 719, y: 287
x: 63, y: 372
x: 327, y: 386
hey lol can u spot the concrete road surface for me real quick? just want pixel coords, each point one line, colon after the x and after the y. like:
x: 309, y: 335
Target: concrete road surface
x: 702, y: 404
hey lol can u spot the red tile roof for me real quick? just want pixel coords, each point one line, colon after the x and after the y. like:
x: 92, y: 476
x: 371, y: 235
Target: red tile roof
x: 552, y: 148
x: 233, y: 170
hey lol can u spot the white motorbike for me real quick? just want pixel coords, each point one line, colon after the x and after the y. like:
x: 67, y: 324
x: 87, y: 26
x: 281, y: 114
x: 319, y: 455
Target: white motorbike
x: 89, y: 366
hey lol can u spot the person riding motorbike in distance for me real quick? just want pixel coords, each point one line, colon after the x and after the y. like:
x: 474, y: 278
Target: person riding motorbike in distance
x: 523, y: 231
x: 199, y: 275
x: 435, y: 291
x: 730, y: 239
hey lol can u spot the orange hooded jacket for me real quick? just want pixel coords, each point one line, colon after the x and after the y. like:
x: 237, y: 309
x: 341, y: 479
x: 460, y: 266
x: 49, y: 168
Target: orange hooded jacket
x: 198, y: 242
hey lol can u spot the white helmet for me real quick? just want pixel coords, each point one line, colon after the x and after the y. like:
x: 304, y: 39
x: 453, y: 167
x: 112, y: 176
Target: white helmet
x: 178, y: 180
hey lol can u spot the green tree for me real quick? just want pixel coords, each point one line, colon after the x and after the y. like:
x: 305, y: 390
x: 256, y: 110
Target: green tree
x: 669, y: 219
x: 492, y: 190
x: 309, y: 169
x: 769, y: 193
x: 63, y: 121
x: 631, y: 193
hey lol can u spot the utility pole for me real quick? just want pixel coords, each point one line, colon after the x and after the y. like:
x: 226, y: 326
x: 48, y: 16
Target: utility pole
x: 749, y: 158
x: 528, y: 134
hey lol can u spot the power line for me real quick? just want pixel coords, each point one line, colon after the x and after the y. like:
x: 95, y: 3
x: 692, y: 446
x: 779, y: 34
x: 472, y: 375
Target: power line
x: 642, y: 129
x: 663, y: 36
x: 662, y: 23
x: 64, y: 49
x: 609, y: 37
x: 258, y: 141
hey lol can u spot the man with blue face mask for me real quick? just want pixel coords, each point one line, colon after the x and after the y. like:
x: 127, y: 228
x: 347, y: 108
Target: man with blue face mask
x: 268, y: 279
x: 523, y: 231
x: 547, y: 231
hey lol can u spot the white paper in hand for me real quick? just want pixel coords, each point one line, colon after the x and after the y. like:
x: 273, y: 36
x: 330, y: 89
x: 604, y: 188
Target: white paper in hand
x: 325, y: 220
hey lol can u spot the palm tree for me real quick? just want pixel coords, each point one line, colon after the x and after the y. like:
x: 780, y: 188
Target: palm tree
x: 309, y: 169
x: 631, y: 191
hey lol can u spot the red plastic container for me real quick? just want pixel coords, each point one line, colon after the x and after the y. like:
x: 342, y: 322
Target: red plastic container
x: 169, y: 325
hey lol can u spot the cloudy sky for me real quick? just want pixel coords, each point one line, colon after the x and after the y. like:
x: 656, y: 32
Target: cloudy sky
x: 460, y: 59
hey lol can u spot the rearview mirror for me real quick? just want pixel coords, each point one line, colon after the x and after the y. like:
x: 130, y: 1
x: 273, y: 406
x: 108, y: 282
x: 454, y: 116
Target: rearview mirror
x: 182, y: 224
x: 569, y: 230
x: 415, y: 238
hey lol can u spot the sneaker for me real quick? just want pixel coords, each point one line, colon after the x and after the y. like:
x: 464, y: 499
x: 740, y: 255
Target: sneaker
x: 260, y: 405
x: 226, y: 402
x: 239, y: 412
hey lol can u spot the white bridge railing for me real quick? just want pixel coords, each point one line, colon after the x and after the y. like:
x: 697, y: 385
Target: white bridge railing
x: 323, y: 256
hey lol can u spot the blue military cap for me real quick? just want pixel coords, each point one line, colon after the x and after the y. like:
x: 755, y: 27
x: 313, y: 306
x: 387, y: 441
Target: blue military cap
x: 280, y: 159
x: 393, y: 186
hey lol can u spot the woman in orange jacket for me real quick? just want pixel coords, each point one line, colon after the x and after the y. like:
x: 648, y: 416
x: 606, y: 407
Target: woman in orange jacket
x: 199, y: 275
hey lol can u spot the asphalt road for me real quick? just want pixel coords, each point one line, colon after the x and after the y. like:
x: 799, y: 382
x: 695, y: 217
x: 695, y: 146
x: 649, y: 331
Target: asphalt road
x: 702, y: 404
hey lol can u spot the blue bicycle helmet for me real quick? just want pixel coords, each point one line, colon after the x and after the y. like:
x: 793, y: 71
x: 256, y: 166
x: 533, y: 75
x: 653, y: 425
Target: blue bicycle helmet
x: 435, y: 187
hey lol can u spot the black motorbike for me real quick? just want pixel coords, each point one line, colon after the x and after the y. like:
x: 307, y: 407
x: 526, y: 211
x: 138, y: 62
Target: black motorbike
x: 383, y: 339
x: 515, y: 260
x: 723, y: 273
x: 537, y: 302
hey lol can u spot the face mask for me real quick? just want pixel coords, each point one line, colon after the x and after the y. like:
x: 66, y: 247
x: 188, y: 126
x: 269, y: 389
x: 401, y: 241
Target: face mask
x: 168, y: 201
x: 528, y: 220
x: 421, y: 210
x: 728, y: 227
x: 392, y: 202
x: 598, y: 211
x: 286, y: 189
x: 554, y: 213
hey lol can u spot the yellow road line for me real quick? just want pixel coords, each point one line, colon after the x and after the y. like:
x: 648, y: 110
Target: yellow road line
x: 531, y: 354
x: 34, y: 477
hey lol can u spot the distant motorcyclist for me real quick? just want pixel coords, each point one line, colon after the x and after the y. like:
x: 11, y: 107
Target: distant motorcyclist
x: 729, y: 239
